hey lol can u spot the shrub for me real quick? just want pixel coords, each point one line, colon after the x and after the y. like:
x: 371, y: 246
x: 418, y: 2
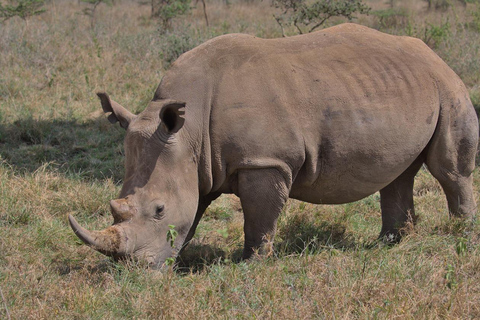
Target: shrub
x: 166, y: 10
x: 24, y: 9
x: 313, y: 15
x: 174, y: 44
x: 434, y: 35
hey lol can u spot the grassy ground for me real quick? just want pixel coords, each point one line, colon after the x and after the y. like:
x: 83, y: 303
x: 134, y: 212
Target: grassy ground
x: 59, y: 155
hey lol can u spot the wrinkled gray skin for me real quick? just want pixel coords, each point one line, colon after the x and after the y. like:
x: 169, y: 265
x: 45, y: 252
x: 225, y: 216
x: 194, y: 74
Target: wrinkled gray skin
x: 328, y: 117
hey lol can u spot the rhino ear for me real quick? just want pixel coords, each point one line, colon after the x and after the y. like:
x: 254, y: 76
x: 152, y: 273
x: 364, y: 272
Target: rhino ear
x: 117, y: 112
x: 172, y: 116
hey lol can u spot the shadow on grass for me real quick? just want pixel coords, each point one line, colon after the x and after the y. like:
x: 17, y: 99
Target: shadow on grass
x: 65, y: 266
x: 91, y: 149
x: 299, y: 236
x: 196, y: 257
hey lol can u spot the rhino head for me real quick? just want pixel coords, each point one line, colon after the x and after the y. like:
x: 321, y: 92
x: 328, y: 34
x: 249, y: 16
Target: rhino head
x: 160, y: 188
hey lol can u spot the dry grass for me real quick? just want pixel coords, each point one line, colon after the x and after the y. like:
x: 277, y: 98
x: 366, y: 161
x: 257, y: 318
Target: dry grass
x: 59, y: 155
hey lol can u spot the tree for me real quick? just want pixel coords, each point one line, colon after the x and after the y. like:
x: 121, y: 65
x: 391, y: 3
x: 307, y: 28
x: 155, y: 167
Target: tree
x: 23, y: 9
x: 166, y: 10
x: 313, y: 15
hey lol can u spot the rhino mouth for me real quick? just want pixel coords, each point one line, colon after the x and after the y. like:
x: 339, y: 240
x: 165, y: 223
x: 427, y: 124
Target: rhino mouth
x: 111, y: 241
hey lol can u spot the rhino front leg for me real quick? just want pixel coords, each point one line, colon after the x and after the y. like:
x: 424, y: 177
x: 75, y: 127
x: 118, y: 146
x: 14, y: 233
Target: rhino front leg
x: 203, y: 204
x: 263, y: 193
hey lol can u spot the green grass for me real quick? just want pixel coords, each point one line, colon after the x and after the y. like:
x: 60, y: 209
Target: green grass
x: 59, y: 155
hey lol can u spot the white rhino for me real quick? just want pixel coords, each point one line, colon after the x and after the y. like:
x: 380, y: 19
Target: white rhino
x: 328, y: 117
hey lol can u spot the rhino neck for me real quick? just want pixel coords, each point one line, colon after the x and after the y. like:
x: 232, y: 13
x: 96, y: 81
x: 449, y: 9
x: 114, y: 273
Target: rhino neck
x: 191, y: 86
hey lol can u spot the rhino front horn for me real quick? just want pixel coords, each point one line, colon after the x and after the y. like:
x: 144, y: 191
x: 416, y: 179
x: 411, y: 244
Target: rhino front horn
x: 108, y: 241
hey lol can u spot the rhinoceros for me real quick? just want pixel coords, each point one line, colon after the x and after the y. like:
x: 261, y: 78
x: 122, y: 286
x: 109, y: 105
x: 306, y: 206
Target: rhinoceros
x: 329, y: 117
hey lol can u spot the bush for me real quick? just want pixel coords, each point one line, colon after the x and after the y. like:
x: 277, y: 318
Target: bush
x: 24, y: 9
x: 166, y: 10
x: 300, y: 13
x: 174, y: 44
x: 434, y: 35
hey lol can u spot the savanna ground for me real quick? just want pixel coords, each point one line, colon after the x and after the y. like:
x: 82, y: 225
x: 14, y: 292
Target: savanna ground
x: 59, y: 155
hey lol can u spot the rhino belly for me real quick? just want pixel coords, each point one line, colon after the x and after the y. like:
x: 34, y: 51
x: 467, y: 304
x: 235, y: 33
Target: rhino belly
x: 348, y: 166
x: 339, y: 189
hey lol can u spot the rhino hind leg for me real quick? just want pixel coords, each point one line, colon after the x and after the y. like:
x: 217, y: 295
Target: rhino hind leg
x: 451, y: 157
x: 396, y: 201
x: 263, y: 193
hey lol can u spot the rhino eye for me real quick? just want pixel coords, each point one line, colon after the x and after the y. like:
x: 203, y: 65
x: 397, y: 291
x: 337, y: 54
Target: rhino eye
x: 159, y: 212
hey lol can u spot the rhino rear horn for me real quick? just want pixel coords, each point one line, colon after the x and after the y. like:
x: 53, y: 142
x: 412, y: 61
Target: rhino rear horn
x: 117, y: 112
x: 120, y: 210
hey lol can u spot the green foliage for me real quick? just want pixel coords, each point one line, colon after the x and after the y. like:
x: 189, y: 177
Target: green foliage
x: 313, y: 15
x: 461, y: 246
x: 171, y: 234
x: 169, y: 261
x: 23, y: 9
x: 450, y: 277
x: 166, y: 10
x: 174, y: 44
x: 434, y: 35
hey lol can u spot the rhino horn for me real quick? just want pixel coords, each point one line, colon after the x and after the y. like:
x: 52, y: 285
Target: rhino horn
x: 121, y: 211
x: 108, y: 241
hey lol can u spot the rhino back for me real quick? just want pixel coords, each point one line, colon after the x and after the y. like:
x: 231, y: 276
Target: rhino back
x: 341, y: 112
